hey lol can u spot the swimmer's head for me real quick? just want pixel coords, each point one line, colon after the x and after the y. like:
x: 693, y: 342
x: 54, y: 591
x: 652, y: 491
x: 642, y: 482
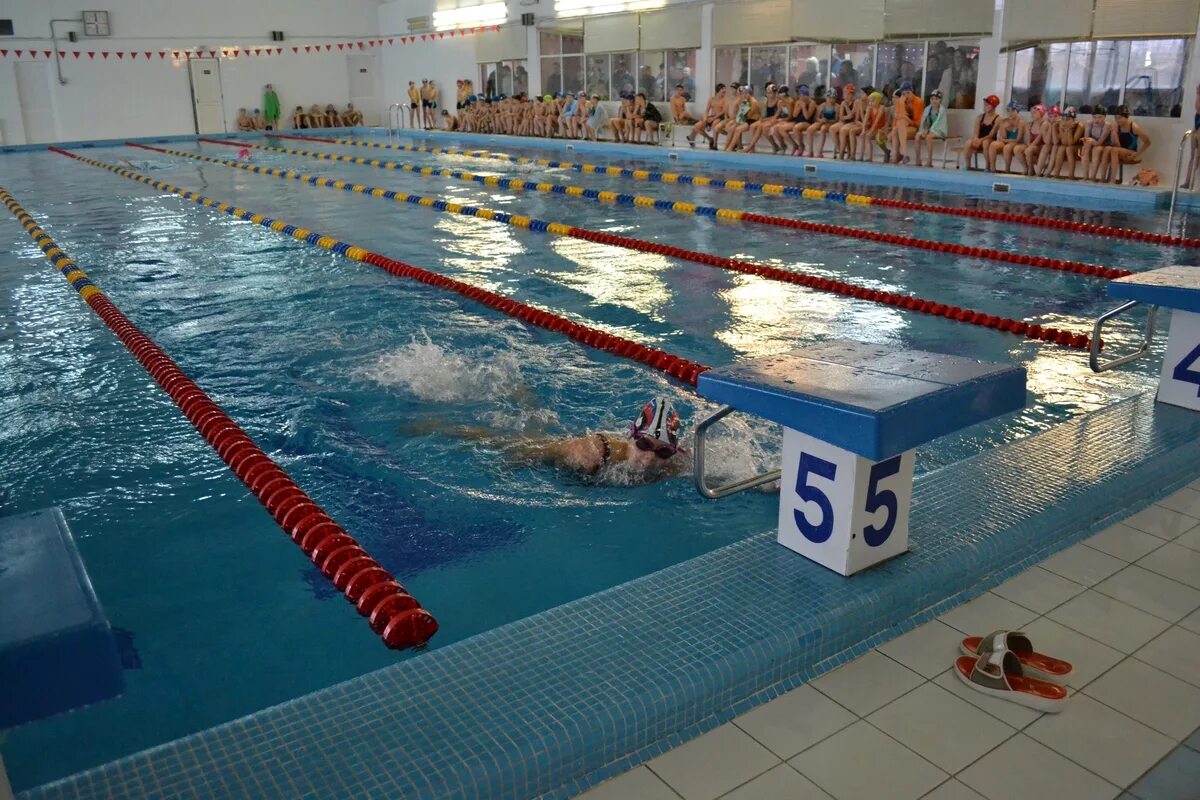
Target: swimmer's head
x: 803, y: 91
x: 936, y: 94
x: 991, y: 101
x: 876, y: 97
x: 1069, y: 112
x: 1039, y: 109
x: 1122, y: 111
x: 1013, y: 106
x: 656, y: 428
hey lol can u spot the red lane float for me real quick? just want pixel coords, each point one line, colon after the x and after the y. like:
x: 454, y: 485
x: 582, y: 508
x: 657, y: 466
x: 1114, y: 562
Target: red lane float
x: 400, y: 622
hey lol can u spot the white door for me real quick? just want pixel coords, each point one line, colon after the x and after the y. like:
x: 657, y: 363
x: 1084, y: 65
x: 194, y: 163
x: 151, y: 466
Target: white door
x: 364, y: 91
x: 206, y: 94
x: 37, y: 110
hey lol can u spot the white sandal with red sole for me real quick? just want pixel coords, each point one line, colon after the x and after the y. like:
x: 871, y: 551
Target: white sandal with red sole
x: 1033, y: 665
x: 998, y: 674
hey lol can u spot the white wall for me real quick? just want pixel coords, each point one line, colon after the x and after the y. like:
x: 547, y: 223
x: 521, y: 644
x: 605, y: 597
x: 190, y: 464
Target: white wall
x: 441, y: 60
x: 134, y: 97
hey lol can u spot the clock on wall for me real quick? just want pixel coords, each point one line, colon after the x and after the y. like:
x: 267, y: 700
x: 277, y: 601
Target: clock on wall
x: 95, y: 23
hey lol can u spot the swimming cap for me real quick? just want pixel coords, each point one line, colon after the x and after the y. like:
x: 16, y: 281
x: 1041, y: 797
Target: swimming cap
x: 1069, y: 112
x: 877, y: 96
x: 803, y: 91
x: 936, y: 93
x: 658, y: 420
x: 1055, y: 112
x: 1099, y: 111
x: 1014, y: 106
x: 1122, y: 111
x: 1039, y: 107
x: 991, y: 100
x: 548, y: 98
x: 906, y: 86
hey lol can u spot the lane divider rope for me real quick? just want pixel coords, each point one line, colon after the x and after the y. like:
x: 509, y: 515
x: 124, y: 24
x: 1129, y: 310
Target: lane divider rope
x: 680, y: 368
x: 731, y: 214
x: 843, y: 198
x: 392, y: 612
x: 1078, y: 341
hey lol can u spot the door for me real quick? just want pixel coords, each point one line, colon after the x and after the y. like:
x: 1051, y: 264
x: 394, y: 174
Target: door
x: 207, y: 104
x: 364, y: 93
x: 33, y: 93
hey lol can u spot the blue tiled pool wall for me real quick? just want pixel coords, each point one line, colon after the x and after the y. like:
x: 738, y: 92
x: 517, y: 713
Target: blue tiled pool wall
x: 554, y: 703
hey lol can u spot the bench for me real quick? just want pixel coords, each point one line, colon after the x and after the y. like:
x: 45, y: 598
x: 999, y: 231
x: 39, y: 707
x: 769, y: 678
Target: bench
x: 852, y: 415
x: 57, y: 651
x: 1176, y: 288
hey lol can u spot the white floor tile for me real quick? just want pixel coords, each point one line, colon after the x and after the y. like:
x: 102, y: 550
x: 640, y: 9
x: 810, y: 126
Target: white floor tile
x: 937, y: 725
x: 778, y: 784
x: 953, y: 790
x: 637, y: 784
x: 1008, y: 713
x: 1177, y: 652
x: 713, y: 764
x: 1105, y: 741
x: 1151, y: 696
x: 1038, y: 589
x: 867, y: 683
x: 1025, y: 769
x: 862, y: 762
x: 1123, y: 542
x: 1161, y: 522
x: 1109, y: 621
x: 1190, y: 539
x: 1090, y: 658
x: 926, y: 649
x: 986, y: 613
x: 1151, y: 592
x: 1176, y: 562
x: 794, y: 721
x: 1191, y: 621
x: 1185, y: 501
x: 1082, y: 564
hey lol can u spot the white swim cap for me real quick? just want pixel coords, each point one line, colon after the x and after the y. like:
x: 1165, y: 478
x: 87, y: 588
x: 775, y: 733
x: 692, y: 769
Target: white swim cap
x: 658, y: 420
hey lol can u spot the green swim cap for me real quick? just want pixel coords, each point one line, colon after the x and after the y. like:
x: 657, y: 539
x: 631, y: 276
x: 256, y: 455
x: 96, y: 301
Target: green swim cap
x: 548, y: 99
x: 877, y: 96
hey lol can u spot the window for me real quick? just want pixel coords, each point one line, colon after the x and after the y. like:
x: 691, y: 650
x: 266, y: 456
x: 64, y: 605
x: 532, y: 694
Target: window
x: 953, y: 67
x: 597, y: 76
x: 562, y: 61
x: 897, y: 63
x: 652, y: 69
x: 681, y: 69
x: 808, y: 64
x: 732, y: 65
x: 855, y: 63
x: 768, y: 65
x: 1144, y: 74
x: 506, y: 78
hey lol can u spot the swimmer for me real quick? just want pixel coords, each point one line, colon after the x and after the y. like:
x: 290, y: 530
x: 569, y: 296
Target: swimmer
x: 450, y: 121
x: 244, y: 121
x: 647, y: 452
x: 414, y: 102
x: 260, y: 122
x: 351, y: 116
x: 300, y: 119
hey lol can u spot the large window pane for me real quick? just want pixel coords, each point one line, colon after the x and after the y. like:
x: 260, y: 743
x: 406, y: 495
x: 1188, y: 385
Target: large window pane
x: 651, y: 74
x: 1039, y: 73
x: 552, y: 81
x: 953, y: 68
x: 487, y: 78
x: 572, y: 70
x: 1108, y: 73
x: 852, y: 63
x: 550, y: 44
x: 1079, y: 70
x: 520, y: 77
x: 597, y: 76
x: 809, y: 64
x: 731, y: 65
x: 572, y: 43
x: 897, y: 63
x: 1154, y: 87
x: 624, y: 66
x: 768, y: 65
x: 681, y: 69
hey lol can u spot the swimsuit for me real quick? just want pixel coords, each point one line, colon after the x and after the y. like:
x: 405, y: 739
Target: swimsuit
x: 1128, y: 139
x: 829, y: 113
x: 742, y: 111
x: 771, y: 109
x: 985, y: 128
x: 1092, y: 130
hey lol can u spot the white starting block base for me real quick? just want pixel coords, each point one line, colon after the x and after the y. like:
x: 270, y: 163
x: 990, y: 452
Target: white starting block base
x: 1179, y: 383
x: 841, y: 510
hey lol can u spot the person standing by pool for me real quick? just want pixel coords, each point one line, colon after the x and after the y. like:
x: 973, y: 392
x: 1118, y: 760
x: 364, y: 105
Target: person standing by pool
x: 414, y: 103
x: 270, y: 107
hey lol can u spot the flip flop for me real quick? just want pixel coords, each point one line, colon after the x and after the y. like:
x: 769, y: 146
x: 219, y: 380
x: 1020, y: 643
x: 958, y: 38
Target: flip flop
x: 998, y: 674
x: 1033, y: 665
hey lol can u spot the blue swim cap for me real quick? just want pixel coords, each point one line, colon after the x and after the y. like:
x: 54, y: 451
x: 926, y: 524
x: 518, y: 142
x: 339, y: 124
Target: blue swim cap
x: 906, y: 86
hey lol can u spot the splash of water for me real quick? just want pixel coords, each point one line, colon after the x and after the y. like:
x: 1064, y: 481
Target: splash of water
x: 430, y: 372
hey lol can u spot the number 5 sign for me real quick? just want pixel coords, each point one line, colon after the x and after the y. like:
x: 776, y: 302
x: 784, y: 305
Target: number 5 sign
x: 840, y: 509
x: 1179, y: 384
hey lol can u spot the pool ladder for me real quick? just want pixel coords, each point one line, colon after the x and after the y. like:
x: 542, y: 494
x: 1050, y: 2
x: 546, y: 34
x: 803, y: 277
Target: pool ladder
x: 1147, y: 339
x: 395, y: 118
x: 1175, y: 185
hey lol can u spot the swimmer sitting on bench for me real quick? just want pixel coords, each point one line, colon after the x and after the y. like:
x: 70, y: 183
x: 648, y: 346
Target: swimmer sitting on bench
x: 244, y: 121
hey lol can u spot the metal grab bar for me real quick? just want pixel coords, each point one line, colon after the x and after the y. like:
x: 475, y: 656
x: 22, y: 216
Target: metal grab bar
x: 1094, y: 355
x: 698, y: 463
x: 393, y: 110
x: 1175, y: 185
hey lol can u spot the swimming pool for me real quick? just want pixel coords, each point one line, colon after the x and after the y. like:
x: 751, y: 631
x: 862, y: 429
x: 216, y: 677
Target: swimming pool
x: 347, y: 375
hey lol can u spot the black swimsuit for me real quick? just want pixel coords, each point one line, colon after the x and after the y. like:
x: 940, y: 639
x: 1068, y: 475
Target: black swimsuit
x: 985, y: 128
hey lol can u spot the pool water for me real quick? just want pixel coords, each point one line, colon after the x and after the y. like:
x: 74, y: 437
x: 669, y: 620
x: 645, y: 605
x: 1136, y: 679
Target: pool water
x: 360, y: 385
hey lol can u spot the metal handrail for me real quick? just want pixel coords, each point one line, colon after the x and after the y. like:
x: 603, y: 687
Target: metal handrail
x: 393, y: 110
x: 1147, y: 340
x: 1175, y: 184
x: 698, y: 463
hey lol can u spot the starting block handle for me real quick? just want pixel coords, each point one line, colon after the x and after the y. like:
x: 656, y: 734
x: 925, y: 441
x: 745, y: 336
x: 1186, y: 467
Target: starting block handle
x: 1147, y: 339
x: 698, y: 463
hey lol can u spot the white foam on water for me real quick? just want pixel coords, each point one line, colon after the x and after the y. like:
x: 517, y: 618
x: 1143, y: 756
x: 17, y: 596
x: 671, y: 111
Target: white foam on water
x: 430, y: 372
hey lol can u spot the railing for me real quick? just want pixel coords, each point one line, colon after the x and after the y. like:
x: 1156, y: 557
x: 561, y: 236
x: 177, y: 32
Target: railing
x: 395, y: 118
x: 1175, y: 183
x: 1096, y: 341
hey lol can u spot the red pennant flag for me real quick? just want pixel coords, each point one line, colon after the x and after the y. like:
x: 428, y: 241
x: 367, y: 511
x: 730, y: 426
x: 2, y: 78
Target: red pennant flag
x: 62, y: 53
x: 33, y: 53
x: 175, y: 54
x: 18, y: 52
x: 370, y: 43
x: 442, y: 35
x: 340, y: 45
x: 278, y: 50
x: 104, y: 53
x: 391, y: 41
x: 77, y: 55
x: 133, y: 54
x: 120, y: 54
x: 3, y: 54
x: 307, y: 48
x: 162, y: 55
x: 295, y: 49
x: 91, y: 54
x: 47, y: 53
x: 360, y: 45
x: 329, y: 47
x: 422, y: 37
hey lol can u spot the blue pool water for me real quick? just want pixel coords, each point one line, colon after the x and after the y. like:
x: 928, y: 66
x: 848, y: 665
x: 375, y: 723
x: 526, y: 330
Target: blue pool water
x: 351, y: 379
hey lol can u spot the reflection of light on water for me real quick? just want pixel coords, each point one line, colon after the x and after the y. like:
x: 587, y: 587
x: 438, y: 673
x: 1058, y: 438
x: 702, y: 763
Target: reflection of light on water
x: 615, y: 275
x: 477, y: 247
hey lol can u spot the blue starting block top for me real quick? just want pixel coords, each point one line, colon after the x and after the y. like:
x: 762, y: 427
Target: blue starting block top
x: 871, y: 400
x: 1170, y: 287
x: 56, y: 649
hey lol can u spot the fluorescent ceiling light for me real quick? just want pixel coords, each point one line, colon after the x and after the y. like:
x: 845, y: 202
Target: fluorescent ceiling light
x: 470, y: 16
x: 578, y: 8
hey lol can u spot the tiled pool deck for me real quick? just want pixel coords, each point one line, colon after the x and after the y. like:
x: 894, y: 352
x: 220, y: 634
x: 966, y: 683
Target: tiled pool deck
x: 555, y: 703
x: 1124, y: 607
